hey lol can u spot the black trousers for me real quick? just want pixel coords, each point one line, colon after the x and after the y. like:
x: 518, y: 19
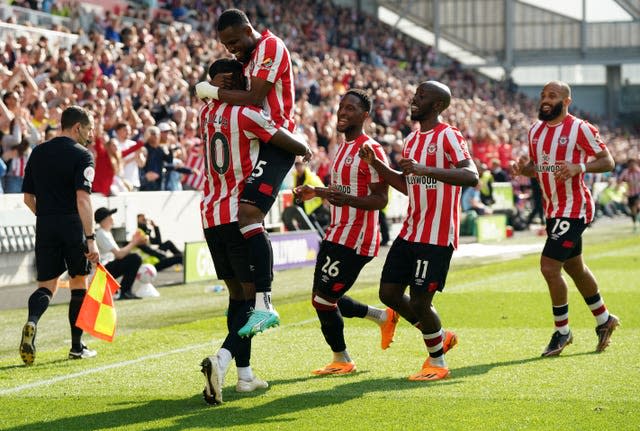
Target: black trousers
x: 127, y: 267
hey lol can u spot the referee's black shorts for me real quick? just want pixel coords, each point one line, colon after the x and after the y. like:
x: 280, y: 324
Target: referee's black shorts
x: 262, y: 186
x: 229, y: 252
x: 60, y: 246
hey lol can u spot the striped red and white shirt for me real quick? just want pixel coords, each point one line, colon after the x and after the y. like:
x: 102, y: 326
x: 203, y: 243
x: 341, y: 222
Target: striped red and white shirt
x: 271, y: 62
x: 433, y: 216
x: 353, y: 227
x: 18, y: 164
x: 574, y: 140
x: 632, y: 178
x: 231, y: 136
x: 195, y: 160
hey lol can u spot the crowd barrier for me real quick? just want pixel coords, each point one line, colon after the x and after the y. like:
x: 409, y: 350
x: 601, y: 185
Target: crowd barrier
x: 178, y: 216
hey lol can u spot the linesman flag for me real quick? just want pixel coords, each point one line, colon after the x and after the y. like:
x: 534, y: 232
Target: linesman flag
x: 98, y: 315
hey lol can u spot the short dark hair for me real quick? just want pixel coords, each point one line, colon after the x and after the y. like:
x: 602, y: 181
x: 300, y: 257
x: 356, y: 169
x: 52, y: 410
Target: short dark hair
x: 72, y: 115
x: 225, y: 65
x: 231, y: 18
x: 365, y: 99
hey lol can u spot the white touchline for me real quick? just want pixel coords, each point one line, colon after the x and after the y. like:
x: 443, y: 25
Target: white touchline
x: 125, y: 363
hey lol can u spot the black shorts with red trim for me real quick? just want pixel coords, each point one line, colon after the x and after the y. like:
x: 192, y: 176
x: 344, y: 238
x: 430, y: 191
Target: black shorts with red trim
x: 337, y: 269
x: 417, y: 265
x: 229, y: 252
x: 564, y: 238
x: 262, y: 187
x: 60, y: 246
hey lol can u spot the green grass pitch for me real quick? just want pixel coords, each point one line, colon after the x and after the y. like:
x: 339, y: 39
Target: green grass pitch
x: 149, y: 378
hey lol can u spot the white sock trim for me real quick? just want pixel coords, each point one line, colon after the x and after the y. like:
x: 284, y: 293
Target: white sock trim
x: 245, y: 373
x: 224, y: 359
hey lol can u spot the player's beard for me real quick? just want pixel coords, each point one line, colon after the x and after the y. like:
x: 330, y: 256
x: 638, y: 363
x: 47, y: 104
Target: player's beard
x: 555, y: 112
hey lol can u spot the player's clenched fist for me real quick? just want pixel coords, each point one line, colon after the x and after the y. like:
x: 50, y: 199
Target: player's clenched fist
x: 367, y: 154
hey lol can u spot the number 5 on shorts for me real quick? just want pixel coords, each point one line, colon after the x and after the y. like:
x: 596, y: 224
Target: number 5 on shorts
x: 259, y: 170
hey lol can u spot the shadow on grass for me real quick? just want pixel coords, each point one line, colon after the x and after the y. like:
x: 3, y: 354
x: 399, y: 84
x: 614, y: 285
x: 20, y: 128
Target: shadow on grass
x: 41, y: 364
x: 179, y: 414
x: 474, y: 370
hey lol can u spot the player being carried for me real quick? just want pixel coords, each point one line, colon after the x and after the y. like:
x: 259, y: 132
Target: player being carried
x: 267, y: 66
x: 356, y: 194
x: 232, y: 137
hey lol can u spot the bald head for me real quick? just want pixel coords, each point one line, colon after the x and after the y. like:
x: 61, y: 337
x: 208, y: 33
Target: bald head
x: 431, y: 98
x: 555, y: 99
x: 439, y: 91
x: 560, y: 87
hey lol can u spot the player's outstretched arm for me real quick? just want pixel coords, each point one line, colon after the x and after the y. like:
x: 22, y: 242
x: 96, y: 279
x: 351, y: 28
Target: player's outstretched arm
x: 523, y: 166
x: 376, y: 200
x: 294, y: 144
x: 464, y: 174
x: 394, y: 178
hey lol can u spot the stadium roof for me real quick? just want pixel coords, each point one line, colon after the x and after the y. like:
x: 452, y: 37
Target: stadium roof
x: 515, y: 33
x: 597, y: 11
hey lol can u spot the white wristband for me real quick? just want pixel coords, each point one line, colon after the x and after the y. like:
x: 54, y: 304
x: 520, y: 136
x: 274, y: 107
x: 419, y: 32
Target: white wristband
x: 206, y: 90
x: 583, y: 168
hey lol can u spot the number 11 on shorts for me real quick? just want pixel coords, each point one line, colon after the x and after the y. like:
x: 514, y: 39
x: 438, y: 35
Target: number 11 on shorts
x: 421, y: 268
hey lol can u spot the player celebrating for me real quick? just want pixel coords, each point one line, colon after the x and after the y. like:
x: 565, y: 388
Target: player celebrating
x: 267, y: 65
x: 559, y: 148
x: 356, y: 194
x: 435, y: 164
x: 232, y: 136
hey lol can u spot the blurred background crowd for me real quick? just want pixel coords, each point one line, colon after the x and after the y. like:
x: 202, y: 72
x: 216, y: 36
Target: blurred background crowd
x: 136, y: 73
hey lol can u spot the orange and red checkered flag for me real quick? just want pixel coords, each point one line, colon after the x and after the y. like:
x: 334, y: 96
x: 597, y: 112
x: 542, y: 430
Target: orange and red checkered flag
x: 98, y: 315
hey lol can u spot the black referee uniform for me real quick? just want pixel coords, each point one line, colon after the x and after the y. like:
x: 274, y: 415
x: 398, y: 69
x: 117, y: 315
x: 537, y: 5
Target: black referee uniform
x: 56, y: 170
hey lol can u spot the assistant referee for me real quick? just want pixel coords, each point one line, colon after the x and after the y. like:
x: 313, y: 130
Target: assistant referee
x: 57, y: 189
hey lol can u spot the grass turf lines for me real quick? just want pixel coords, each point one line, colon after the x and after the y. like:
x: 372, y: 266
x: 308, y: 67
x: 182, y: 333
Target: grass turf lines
x: 149, y: 378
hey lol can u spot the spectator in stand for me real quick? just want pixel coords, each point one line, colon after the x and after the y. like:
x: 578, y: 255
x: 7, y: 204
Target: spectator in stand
x: 537, y: 209
x: 132, y: 158
x: 499, y: 175
x: 195, y: 160
x: 119, y: 261
x: 470, y: 201
x: 611, y: 200
x: 314, y: 208
x: 631, y: 176
x: 152, y: 232
x: 156, y: 157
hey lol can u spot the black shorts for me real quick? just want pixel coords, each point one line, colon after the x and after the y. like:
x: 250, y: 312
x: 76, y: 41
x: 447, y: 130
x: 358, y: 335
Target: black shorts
x: 564, y: 238
x: 229, y: 252
x: 262, y: 187
x: 417, y: 265
x: 632, y: 200
x: 60, y: 246
x: 337, y: 268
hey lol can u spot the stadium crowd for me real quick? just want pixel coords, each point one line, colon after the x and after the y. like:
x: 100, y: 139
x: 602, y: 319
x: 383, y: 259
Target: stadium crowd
x: 136, y: 74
